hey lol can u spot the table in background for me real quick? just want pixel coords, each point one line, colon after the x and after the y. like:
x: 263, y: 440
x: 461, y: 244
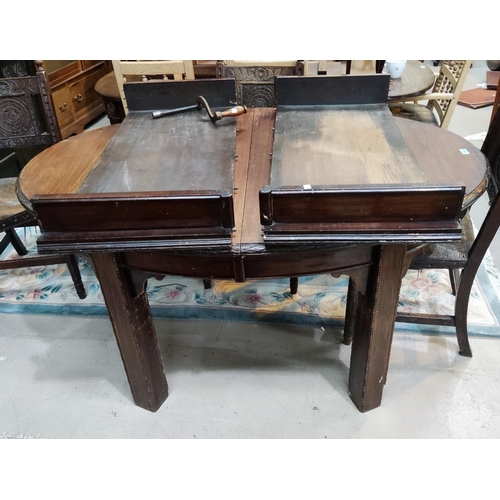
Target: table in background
x: 417, y: 78
x: 107, y: 88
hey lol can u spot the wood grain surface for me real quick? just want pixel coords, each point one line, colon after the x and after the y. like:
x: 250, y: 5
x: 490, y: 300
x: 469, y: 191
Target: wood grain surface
x: 340, y: 146
x: 63, y: 168
x: 182, y: 152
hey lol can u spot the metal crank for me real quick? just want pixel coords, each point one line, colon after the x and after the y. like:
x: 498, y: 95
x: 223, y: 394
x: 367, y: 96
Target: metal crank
x: 202, y: 103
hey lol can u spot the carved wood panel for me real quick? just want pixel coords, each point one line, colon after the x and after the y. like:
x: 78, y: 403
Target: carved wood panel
x: 255, y: 84
x: 26, y: 112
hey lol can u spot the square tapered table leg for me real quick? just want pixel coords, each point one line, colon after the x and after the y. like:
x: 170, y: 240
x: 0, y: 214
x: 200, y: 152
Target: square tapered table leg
x: 134, y: 330
x: 373, y: 330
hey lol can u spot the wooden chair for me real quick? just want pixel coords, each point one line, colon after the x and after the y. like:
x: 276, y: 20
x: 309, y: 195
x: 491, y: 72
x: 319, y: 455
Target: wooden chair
x: 441, y: 100
x: 133, y: 71
x: 28, y: 119
x: 255, y: 79
x: 379, y: 66
x: 462, y: 259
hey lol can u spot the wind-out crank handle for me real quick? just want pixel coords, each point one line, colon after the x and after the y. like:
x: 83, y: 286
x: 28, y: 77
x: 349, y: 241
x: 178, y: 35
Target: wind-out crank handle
x: 202, y: 103
x: 166, y: 112
x: 218, y: 115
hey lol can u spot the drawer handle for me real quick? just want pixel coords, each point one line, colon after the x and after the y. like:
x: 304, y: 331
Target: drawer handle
x: 63, y: 107
x: 78, y: 98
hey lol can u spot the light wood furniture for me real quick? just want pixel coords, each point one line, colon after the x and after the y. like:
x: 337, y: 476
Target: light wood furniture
x: 202, y: 209
x: 130, y: 71
x: 75, y: 99
x: 441, y: 101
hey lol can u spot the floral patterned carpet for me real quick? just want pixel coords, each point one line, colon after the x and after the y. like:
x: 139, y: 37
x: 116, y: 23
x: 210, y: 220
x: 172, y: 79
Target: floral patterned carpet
x: 320, y: 300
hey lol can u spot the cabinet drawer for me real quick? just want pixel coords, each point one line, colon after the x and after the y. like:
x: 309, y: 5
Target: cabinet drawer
x: 83, y: 95
x: 64, y: 108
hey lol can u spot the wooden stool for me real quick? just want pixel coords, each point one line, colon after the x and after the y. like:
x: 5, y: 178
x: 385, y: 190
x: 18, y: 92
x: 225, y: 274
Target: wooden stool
x: 107, y: 88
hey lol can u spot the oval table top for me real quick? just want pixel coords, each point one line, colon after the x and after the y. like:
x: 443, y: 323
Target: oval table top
x: 107, y: 87
x: 441, y: 154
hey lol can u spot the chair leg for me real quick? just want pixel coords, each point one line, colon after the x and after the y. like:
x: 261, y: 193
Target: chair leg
x: 16, y: 242
x: 379, y: 66
x: 454, y: 280
x: 350, y: 312
x: 294, y: 285
x: 4, y: 243
x: 483, y: 240
x: 74, y: 271
x: 461, y: 307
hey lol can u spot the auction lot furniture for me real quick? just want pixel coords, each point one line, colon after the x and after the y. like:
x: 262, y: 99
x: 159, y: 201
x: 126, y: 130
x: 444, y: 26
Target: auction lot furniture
x: 324, y: 183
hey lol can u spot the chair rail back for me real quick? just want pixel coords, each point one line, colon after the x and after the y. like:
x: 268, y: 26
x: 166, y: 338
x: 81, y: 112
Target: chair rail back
x: 133, y: 71
x: 450, y: 80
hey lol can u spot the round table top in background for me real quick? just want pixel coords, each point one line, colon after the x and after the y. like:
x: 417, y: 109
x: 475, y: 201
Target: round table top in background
x: 107, y: 87
x: 416, y: 79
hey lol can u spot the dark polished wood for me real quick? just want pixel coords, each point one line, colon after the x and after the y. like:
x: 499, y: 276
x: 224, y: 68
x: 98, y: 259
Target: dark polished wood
x: 375, y: 267
x: 463, y: 258
x: 134, y: 330
x: 107, y: 88
x: 255, y: 82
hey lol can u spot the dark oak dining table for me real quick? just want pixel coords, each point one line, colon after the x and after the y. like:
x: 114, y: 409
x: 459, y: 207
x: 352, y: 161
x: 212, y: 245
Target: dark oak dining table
x: 294, y: 190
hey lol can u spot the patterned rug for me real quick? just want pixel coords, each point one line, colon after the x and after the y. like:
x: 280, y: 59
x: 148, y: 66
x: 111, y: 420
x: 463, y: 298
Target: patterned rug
x: 320, y: 301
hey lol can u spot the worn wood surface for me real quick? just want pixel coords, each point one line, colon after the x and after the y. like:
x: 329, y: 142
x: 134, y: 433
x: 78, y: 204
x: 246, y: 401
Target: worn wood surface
x: 184, y: 152
x: 258, y: 174
x: 340, y: 146
x: 326, y: 170
x: 62, y: 170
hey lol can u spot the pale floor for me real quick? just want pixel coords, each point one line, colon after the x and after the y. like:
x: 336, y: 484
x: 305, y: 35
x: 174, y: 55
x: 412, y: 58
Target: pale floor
x: 62, y: 377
